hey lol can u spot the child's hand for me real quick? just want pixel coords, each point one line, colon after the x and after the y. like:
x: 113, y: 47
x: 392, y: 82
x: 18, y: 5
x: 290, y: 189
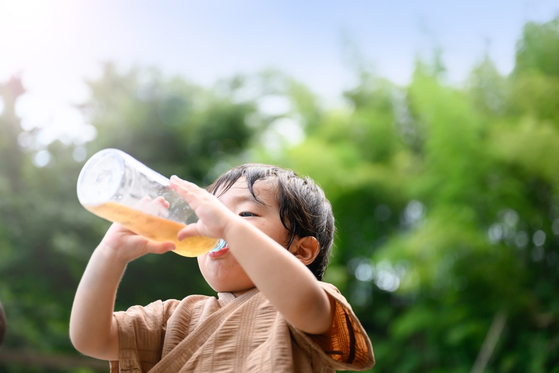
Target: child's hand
x: 127, y: 245
x: 213, y: 216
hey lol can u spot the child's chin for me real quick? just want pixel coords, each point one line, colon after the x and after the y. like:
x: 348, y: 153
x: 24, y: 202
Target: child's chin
x: 231, y: 289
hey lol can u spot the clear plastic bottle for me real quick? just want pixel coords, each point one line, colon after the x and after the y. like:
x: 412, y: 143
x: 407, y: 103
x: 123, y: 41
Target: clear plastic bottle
x: 115, y: 186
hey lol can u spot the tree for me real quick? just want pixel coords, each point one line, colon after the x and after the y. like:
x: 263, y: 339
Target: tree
x: 446, y: 200
x: 445, y: 197
x: 47, y: 237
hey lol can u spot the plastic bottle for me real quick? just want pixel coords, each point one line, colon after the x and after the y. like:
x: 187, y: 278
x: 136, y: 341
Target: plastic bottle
x: 115, y: 186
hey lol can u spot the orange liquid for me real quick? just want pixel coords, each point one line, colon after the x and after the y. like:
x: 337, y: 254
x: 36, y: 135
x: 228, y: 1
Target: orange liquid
x: 153, y: 228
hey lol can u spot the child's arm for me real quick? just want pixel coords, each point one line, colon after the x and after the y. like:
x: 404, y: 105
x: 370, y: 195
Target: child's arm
x: 93, y: 328
x: 281, y: 277
x: 278, y: 274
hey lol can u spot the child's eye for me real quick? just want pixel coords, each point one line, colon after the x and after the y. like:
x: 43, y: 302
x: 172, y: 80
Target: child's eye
x: 246, y: 214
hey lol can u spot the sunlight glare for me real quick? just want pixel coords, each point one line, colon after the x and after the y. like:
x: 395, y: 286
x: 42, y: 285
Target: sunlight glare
x: 29, y: 30
x: 20, y: 19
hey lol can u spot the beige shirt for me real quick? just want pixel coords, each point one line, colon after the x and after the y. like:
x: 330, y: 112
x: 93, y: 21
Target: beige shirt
x: 235, y: 334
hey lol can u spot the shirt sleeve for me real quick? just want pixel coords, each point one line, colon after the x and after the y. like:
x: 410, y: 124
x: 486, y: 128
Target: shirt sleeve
x: 141, y: 332
x: 348, y: 346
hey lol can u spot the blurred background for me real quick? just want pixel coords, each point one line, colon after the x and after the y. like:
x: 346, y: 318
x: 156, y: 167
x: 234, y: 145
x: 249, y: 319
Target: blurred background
x: 432, y: 126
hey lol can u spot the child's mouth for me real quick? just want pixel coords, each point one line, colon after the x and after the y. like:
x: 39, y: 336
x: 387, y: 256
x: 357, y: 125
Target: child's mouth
x: 219, y: 249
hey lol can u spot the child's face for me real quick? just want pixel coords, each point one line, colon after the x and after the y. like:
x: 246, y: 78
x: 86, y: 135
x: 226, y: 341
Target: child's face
x: 221, y: 270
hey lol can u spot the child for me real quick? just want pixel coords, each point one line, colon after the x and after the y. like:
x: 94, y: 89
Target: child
x: 272, y: 314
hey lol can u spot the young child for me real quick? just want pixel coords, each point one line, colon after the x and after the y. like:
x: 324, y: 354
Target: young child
x: 272, y: 312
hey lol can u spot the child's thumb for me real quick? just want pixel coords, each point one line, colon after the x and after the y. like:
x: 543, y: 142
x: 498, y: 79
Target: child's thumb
x: 159, y: 247
x: 188, y: 231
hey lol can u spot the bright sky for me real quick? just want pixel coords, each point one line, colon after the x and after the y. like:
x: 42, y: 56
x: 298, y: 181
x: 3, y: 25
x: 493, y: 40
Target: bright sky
x: 55, y: 44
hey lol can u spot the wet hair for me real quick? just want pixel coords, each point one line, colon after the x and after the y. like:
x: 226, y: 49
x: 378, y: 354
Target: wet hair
x: 303, y: 208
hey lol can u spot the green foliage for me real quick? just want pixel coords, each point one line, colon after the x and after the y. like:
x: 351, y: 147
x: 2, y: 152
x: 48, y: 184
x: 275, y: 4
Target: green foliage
x: 47, y: 237
x: 182, y: 128
x: 538, y: 49
x: 446, y: 200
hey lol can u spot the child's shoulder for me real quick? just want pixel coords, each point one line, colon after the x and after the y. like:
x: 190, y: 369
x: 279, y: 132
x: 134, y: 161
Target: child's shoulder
x: 332, y: 290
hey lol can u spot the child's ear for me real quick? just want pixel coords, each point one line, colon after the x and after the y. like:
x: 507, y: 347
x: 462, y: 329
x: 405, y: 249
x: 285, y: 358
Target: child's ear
x: 305, y: 249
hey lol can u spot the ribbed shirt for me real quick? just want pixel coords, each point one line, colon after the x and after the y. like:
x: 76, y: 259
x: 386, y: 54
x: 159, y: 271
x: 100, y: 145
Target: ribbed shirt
x: 236, y: 334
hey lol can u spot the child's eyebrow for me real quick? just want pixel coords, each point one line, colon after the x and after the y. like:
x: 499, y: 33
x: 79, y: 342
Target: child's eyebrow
x: 249, y: 198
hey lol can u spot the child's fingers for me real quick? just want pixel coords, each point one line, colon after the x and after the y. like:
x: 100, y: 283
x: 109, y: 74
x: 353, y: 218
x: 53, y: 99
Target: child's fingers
x: 188, y: 231
x: 180, y: 182
x: 159, y: 247
x: 161, y: 201
x: 187, y: 190
x: 155, y: 207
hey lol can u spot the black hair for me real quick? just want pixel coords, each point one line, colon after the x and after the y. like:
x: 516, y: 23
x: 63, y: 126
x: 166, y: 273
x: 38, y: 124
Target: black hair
x: 303, y: 208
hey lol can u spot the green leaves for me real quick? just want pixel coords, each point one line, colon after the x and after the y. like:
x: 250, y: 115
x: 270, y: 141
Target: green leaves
x: 446, y: 200
x: 538, y: 49
x: 446, y: 205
